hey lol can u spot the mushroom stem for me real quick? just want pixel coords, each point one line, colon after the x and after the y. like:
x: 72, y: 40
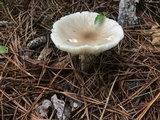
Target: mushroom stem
x: 84, y: 61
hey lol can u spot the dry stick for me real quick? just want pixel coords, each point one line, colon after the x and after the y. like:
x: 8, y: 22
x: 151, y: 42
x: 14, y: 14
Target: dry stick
x: 101, y: 118
x: 147, y: 108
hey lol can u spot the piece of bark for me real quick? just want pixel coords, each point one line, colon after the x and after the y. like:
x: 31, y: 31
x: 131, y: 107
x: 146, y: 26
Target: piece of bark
x: 127, y: 12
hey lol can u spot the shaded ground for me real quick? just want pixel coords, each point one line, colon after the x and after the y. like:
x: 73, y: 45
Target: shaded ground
x: 134, y: 65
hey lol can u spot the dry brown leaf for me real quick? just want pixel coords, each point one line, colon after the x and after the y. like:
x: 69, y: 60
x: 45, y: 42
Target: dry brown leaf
x: 155, y: 35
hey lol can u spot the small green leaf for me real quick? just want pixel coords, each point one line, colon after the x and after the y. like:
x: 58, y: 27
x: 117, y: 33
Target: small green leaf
x: 3, y: 49
x: 100, y: 17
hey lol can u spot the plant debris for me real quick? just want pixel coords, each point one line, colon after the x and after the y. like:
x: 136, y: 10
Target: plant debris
x: 156, y: 35
x: 44, y: 108
x: 80, y: 94
x: 5, y: 23
x: 127, y: 12
x: 63, y: 112
x: 37, y: 42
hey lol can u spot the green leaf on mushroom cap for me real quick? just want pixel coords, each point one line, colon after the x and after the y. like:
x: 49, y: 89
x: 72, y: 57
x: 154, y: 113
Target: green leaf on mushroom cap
x: 3, y: 49
x: 100, y: 17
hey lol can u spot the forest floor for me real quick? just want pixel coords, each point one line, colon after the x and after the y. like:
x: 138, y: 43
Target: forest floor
x: 122, y: 83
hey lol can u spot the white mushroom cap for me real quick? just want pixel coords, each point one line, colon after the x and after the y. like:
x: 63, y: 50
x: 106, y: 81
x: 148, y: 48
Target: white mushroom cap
x: 77, y: 34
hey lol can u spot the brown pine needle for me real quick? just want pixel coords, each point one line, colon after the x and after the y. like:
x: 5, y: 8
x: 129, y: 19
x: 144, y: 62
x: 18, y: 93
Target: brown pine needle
x: 107, y: 99
x: 147, y: 107
x: 134, y: 62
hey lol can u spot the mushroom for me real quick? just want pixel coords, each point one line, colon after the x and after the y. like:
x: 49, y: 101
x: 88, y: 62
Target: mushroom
x: 77, y: 34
